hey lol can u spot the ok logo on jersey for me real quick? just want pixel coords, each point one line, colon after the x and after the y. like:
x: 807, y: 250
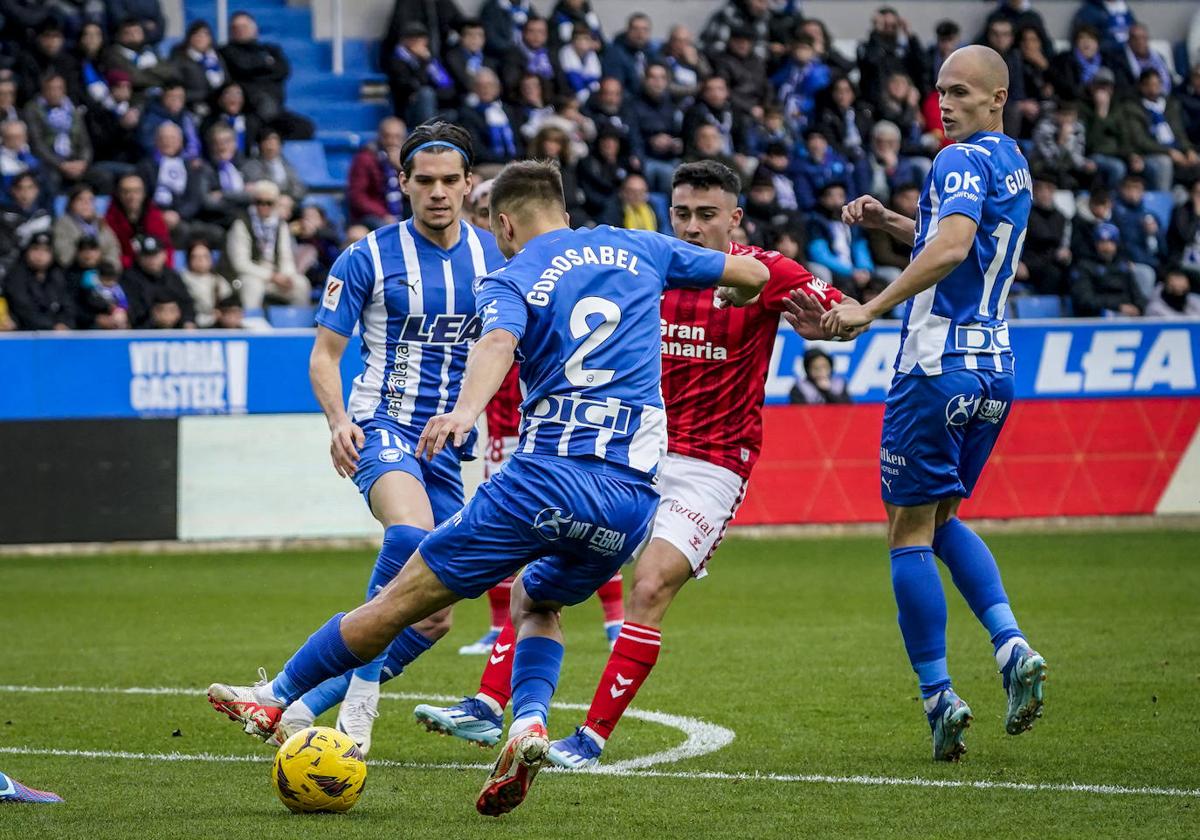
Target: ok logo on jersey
x: 964, y: 181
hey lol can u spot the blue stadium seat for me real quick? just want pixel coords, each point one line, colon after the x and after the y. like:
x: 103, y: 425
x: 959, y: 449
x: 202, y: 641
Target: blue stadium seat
x: 283, y: 317
x: 102, y: 202
x: 60, y: 205
x: 1037, y: 306
x: 662, y: 210
x: 179, y: 259
x: 308, y: 157
x: 1161, y: 204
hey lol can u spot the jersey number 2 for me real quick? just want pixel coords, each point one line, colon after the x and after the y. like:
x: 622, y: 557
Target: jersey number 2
x: 575, y: 372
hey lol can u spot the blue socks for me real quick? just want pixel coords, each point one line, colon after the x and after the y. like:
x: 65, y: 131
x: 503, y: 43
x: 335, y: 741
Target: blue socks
x: 922, y: 615
x: 324, y: 655
x: 536, y: 664
x: 977, y: 577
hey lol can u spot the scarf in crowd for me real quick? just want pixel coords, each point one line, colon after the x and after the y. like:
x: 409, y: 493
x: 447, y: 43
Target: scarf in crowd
x: 59, y: 118
x: 97, y: 88
x: 392, y: 196
x: 1119, y: 20
x: 14, y: 162
x: 1151, y: 62
x: 265, y: 232
x: 682, y: 74
x: 213, y: 71
x: 639, y: 217
x: 172, y: 179
x: 113, y: 295
x: 141, y: 59
x: 87, y: 228
x: 500, y: 133
x: 231, y: 179
x: 237, y: 122
x: 1087, y: 66
x: 537, y: 62
x: 1156, y: 109
x: 474, y: 62
x: 434, y: 71
x: 785, y: 190
x: 724, y: 122
x: 839, y: 240
x: 518, y: 13
x: 852, y: 139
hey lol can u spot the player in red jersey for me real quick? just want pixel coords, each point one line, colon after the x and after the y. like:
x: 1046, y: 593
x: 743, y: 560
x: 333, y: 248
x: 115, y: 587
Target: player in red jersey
x: 714, y: 371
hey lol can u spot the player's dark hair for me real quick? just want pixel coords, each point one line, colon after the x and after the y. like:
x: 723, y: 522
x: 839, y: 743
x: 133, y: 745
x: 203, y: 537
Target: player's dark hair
x: 705, y: 175
x: 450, y: 139
x: 527, y: 183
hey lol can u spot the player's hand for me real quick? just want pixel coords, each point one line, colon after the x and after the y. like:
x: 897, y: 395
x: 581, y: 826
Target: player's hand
x: 730, y: 296
x: 865, y: 210
x: 442, y: 430
x: 846, y: 320
x: 803, y: 312
x: 345, y: 440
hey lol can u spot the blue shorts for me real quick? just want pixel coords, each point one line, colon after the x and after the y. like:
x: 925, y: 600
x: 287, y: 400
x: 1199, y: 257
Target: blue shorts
x: 390, y: 446
x: 938, y: 432
x: 573, y: 522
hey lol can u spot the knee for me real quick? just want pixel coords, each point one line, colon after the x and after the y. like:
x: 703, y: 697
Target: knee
x: 436, y: 626
x: 651, y: 593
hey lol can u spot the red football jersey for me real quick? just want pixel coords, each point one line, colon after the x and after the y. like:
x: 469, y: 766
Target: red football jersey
x: 504, y: 411
x: 715, y: 363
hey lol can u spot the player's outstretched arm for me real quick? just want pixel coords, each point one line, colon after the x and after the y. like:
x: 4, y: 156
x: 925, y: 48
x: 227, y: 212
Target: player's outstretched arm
x: 742, y: 280
x: 325, y: 373
x: 487, y: 365
x: 956, y: 236
x: 867, y: 211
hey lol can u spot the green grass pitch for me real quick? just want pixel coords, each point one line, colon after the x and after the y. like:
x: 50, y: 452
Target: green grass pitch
x: 792, y: 644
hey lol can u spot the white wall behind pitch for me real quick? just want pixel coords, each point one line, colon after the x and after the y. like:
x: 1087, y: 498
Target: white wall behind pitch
x: 1183, y: 492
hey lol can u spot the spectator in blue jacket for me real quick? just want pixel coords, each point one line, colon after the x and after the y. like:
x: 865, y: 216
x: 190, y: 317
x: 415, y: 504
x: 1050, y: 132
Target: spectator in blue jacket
x: 146, y: 12
x: 630, y: 52
x: 567, y: 14
x: 1143, y: 239
x: 817, y: 165
x: 838, y: 250
x: 656, y: 120
x: 798, y: 81
x: 171, y: 106
x: 503, y: 21
x: 1111, y: 18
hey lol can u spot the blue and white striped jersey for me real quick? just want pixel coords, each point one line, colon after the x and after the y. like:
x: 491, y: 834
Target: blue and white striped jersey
x: 416, y: 307
x: 584, y: 305
x: 959, y: 322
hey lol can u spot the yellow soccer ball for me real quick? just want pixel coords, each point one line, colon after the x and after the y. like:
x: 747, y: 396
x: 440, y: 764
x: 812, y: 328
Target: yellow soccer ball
x: 319, y: 769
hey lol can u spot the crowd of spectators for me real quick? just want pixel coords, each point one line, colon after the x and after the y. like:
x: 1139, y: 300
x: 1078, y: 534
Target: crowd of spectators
x: 185, y: 146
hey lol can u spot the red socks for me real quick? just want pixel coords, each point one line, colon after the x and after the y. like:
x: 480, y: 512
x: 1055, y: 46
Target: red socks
x: 496, y: 681
x: 629, y: 665
x: 612, y: 600
x: 498, y: 602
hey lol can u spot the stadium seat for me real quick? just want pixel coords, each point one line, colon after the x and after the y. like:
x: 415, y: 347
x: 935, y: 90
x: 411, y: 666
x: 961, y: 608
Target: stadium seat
x: 1037, y: 306
x: 179, y: 259
x: 308, y: 158
x: 282, y: 317
x: 102, y: 202
x: 60, y: 205
x: 1161, y: 204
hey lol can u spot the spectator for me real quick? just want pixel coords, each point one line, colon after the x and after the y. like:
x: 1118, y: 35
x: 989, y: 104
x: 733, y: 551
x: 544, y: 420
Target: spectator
x: 89, y: 52
x: 837, y: 250
x: 441, y: 18
x: 1104, y: 132
x: 79, y: 222
x: 772, y: 129
x: 845, y: 122
x: 8, y: 97
x: 685, y: 64
x: 798, y: 81
x: 1174, y: 298
x: 764, y: 216
x: 709, y: 144
x: 316, y: 245
x: 837, y: 63
x: 503, y: 21
x: 1021, y: 109
x: 1136, y: 57
x: 47, y: 56
x: 205, y: 286
x: 818, y: 165
x: 631, y: 208
x: 1046, y: 259
x: 262, y: 69
x: 1188, y: 95
x: 269, y: 164
x: 176, y: 189
x: 36, y: 289
x: 750, y: 16
x: 260, y: 254
x: 777, y: 165
x: 491, y: 123
x: 631, y: 51
x: 225, y: 193
x: 890, y: 255
x: 608, y: 107
x: 171, y: 106
x: 158, y: 297
x: 1060, y: 146
x: 1143, y: 240
x: 22, y: 218
x: 230, y: 111
x: 890, y: 48
x: 354, y: 233
x: 1097, y: 210
x: 230, y: 314
x: 1111, y: 19
x: 602, y: 172
x: 1035, y: 62
x: 101, y: 301
x: 15, y: 155
x: 898, y: 105
x: 818, y: 386
x: 714, y: 108
x: 420, y: 84
x: 1183, y: 235
x: 478, y: 206
x: 57, y: 134
x: 1021, y: 16
x: 199, y: 67
x: 579, y: 59
x: 468, y: 56
x: 947, y: 38
x: 531, y: 54
x: 531, y: 110
x: 374, y: 195
x: 1158, y: 138
x: 1073, y: 70
x: 657, y: 120
x: 113, y: 125
x: 130, y: 54
x: 1105, y: 284
x: 745, y: 72
x: 580, y: 129
x: 552, y: 143
x: 146, y: 12
x: 130, y: 215
x: 567, y: 15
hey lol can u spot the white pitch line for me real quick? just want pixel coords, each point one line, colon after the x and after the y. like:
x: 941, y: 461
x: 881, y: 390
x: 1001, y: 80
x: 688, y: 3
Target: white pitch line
x: 614, y: 770
x: 700, y: 736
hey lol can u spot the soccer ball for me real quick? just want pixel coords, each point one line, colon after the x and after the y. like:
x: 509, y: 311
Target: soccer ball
x: 319, y: 769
